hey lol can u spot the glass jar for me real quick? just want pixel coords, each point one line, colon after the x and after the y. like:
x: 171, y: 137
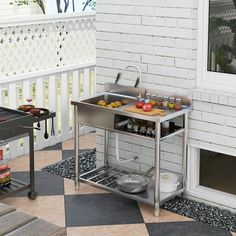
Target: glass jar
x: 165, y: 102
x: 150, y: 129
x: 178, y: 104
x: 153, y: 100
x: 171, y: 103
x: 135, y: 126
x: 159, y: 101
x: 148, y: 96
x: 130, y: 125
x: 143, y: 128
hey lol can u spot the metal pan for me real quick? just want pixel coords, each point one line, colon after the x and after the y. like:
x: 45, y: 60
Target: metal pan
x: 132, y: 183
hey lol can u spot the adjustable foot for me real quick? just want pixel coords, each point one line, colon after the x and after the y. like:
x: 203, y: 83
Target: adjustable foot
x: 32, y: 195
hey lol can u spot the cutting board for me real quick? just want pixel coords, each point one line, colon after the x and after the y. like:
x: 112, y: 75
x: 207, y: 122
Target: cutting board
x: 154, y: 112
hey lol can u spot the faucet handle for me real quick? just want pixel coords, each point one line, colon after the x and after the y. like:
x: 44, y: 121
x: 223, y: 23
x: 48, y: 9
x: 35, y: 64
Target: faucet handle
x: 137, y: 82
x: 118, y: 77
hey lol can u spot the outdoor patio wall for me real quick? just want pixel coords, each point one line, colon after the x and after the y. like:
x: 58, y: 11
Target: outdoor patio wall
x: 159, y: 37
x: 213, y: 121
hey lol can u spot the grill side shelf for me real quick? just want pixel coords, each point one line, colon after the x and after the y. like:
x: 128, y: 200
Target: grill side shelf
x: 15, y: 187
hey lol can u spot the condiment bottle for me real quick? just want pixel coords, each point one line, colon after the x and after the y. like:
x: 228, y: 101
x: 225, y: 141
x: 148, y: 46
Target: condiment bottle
x: 159, y: 101
x: 178, y: 104
x: 171, y: 103
x: 130, y: 125
x: 135, y: 126
x: 143, y: 128
x: 165, y: 102
x: 153, y: 100
x: 148, y: 96
x: 150, y: 129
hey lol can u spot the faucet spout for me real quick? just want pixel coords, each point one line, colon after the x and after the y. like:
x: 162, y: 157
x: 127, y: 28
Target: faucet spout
x: 140, y: 76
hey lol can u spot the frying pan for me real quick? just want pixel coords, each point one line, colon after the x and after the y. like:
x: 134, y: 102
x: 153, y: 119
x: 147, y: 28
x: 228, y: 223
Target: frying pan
x: 132, y: 183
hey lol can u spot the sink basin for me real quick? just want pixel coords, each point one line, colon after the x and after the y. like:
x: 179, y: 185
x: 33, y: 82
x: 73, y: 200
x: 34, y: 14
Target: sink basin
x: 109, y: 97
x: 101, y: 117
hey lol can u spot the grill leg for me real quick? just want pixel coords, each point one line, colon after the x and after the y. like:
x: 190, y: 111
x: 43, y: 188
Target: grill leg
x: 32, y: 193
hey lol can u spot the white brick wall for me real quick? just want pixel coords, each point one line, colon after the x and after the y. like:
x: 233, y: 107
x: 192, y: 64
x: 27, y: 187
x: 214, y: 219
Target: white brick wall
x: 213, y: 120
x: 160, y: 37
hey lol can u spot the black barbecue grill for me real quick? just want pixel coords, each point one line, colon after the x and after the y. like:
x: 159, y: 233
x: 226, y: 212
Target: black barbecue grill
x: 15, y: 124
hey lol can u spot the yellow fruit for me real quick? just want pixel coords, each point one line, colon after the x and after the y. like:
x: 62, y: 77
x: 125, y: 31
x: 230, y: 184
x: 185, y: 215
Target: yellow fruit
x: 113, y: 104
x: 118, y: 103
x: 101, y: 103
x: 109, y: 105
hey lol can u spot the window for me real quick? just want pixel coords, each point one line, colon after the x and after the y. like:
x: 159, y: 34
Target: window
x: 217, y: 44
x: 217, y: 171
x: 211, y: 175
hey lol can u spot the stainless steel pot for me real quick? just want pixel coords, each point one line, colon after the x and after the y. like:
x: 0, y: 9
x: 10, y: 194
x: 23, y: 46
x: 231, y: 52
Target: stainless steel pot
x: 132, y: 183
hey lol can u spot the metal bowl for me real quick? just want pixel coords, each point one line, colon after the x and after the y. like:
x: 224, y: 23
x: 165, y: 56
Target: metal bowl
x: 132, y: 183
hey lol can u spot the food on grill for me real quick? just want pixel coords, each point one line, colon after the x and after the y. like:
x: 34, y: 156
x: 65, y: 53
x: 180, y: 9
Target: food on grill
x: 35, y: 111
x: 2, y: 119
x: 3, y: 167
x: 5, y: 178
x: 26, y: 107
x: 1, y: 154
x: 115, y: 104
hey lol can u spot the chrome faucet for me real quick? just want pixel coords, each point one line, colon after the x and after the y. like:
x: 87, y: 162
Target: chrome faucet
x: 139, y: 80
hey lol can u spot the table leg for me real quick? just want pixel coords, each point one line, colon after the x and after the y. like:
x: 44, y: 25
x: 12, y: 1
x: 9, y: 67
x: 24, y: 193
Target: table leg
x: 76, y: 148
x: 184, y: 151
x: 32, y: 194
x: 157, y: 169
x: 106, y: 163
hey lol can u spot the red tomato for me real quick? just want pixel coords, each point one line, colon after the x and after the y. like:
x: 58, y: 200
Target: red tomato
x: 139, y: 104
x: 147, y: 107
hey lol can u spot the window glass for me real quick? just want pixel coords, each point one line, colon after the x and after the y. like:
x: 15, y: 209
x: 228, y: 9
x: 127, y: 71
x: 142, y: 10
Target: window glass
x: 222, y: 36
x: 217, y: 171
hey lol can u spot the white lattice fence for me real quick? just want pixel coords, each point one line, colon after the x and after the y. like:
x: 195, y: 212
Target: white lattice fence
x: 53, y: 91
x: 46, y: 44
x: 53, y: 65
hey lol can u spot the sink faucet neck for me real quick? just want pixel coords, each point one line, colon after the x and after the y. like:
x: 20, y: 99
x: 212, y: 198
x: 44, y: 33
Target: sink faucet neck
x: 140, y: 76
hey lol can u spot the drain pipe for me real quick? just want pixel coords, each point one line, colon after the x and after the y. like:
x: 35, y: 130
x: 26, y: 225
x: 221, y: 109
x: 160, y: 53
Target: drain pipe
x: 117, y: 152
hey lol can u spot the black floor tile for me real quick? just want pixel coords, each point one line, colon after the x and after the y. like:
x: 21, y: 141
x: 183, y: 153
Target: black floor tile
x: 100, y: 209
x: 57, y: 146
x: 192, y: 228
x: 46, y: 184
x: 67, y: 154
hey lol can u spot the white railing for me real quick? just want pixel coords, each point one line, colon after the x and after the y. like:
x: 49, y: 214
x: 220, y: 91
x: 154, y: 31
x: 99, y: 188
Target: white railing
x: 55, y: 64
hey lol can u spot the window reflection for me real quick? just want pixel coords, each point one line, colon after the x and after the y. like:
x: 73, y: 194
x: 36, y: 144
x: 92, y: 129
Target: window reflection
x: 222, y: 36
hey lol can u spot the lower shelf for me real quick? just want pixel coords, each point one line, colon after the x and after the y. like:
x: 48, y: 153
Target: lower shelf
x: 14, y: 187
x: 106, y: 179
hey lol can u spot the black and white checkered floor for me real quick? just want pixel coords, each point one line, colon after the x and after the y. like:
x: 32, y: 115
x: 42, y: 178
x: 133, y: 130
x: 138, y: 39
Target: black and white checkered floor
x: 91, y: 211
